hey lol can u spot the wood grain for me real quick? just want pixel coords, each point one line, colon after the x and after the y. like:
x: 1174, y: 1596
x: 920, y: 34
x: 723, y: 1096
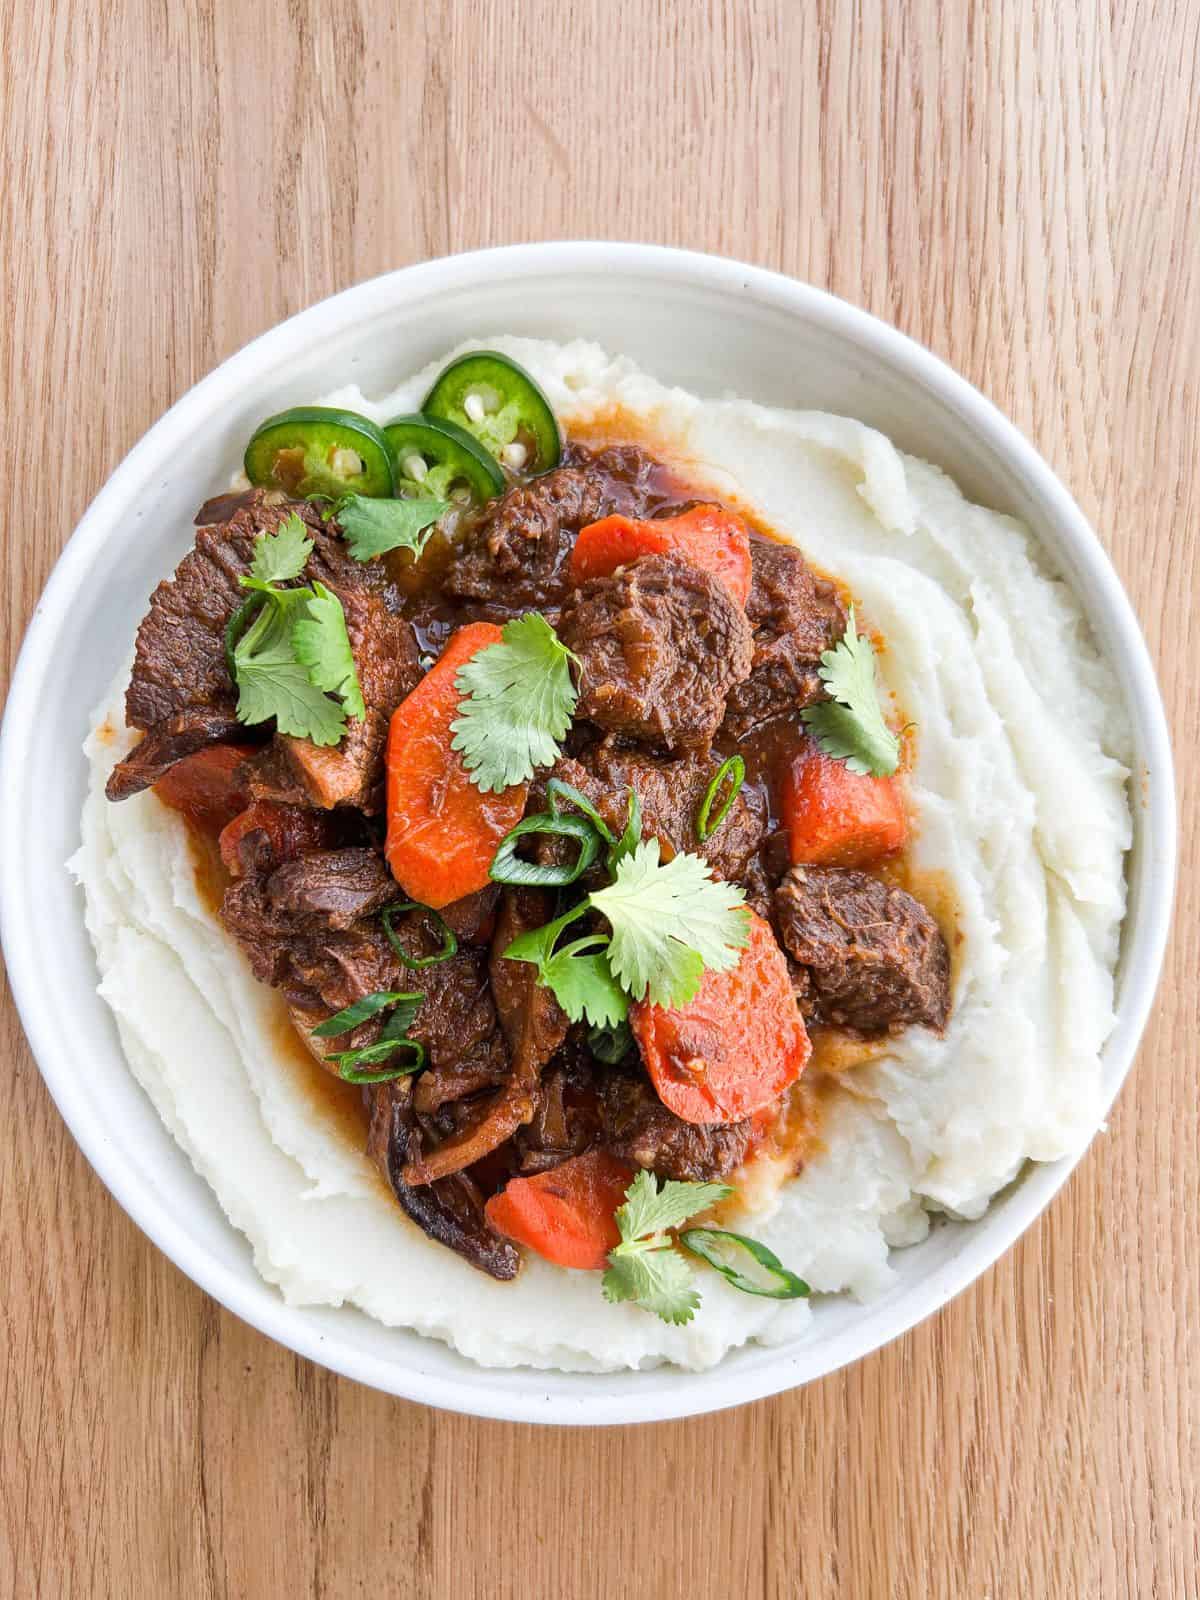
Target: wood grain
x: 1012, y: 183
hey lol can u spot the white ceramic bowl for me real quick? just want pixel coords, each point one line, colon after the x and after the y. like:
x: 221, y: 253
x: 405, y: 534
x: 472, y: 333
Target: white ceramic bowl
x: 713, y: 326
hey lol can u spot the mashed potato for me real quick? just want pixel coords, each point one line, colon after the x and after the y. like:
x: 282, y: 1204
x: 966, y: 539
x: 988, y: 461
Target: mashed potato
x: 1020, y: 792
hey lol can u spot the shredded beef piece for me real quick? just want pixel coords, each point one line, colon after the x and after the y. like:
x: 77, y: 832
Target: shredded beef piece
x: 660, y: 644
x: 874, y: 959
x: 638, y: 1127
x: 671, y: 792
x: 515, y: 557
x: 450, y: 1210
x: 795, y: 616
x: 533, y: 1021
x: 170, y: 742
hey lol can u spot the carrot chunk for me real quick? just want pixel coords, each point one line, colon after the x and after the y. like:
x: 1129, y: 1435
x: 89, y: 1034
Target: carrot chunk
x: 838, y: 818
x: 566, y: 1214
x: 736, y: 1046
x: 442, y: 831
x: 205, y: 786
x: 708, y: 536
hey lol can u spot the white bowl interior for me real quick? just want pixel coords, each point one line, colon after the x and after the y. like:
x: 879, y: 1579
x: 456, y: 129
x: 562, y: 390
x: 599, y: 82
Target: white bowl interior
x: 712, y: 326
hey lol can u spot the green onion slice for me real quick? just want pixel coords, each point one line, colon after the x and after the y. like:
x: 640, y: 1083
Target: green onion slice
x: 237, y: 625
x: 746, y: 1264
x: 631, y: 838
x: 350, y: 1063
x: 363, y: 1010
x: 508, y: 867
x: 440, y: 927
x: 731, y: 772
x: 557, y: 791
x: 611, y: 1044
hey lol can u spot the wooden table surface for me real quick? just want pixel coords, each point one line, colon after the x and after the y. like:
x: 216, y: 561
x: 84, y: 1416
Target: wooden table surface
x: 1012, y: 183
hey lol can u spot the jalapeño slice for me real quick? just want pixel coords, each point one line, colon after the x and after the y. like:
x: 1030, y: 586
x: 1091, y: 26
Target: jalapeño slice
x: 433, y: 457
x: 320, y: 451
x: 497, y: 401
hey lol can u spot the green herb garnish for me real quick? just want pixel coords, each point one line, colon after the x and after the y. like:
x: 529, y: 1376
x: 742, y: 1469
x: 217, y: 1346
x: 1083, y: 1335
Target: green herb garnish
x: 508, y: 867
x: 646, y: 1267
x: 372, y: 527
x: 295, y: 652
x: 670, y: 922
x: 849, y: 726
x: 730, y: 776
x: 393, y: 1038
x: 518, y: 703
x: 440, y: 926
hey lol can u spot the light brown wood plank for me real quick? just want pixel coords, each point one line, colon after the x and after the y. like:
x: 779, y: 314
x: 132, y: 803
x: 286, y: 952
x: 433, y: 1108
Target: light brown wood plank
x: 1012, y: 183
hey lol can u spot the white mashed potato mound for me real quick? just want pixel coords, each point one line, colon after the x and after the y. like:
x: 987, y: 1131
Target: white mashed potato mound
x: 1020, y: 793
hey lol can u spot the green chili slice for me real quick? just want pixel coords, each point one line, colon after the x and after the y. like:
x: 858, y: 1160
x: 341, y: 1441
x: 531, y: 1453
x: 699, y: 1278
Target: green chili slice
x: 320, y: 450
x: 440, y: 927
x: 731, y: 772
x: 508, y: 867
x: 497, y: 401
x: 431, y: 456
x: 746, y: 1264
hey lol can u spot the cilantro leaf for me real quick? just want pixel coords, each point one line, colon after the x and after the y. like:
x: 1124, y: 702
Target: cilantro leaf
x: 271, y: 682
x: 645, y: 1267
x: 320, y: 643
x: 657, y: 1280
x: 281, y: 556
x: 583, y: 983
x: 669, y: 922
x: 651, y: 1209
x: 850, y: 726
x: 578, y: 975
x: 518, y: 703
x: 373, y: 527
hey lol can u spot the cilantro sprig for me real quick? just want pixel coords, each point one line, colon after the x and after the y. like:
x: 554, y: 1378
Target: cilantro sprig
x: 648, y: 1270
x: 295, y: 653
x: 668, y: 922
x: 518, y: 701
x: 849, y: 726
x: 372, y: 527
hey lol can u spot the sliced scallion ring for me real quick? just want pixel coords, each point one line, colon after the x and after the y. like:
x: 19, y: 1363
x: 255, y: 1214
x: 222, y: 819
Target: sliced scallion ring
x: 746, y: 1264
x: 557, y: 791
x: 353, y: 1016
x: 508, y: 867
x: 731, y: 772
x: 440, y: 927
x: 351, y: 1063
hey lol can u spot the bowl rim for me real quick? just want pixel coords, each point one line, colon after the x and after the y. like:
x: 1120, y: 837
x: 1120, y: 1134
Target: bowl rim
x: 650, y: 1399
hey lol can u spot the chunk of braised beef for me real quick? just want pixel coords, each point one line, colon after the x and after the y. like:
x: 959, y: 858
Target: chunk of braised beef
x: 172, y: 741
x: 635, y: 1125
x: 567, y: 1118
x: 660, y: 644
x: 181, y: 691
x: 671, y: 791
x: 333, y: 888
x: 515, y: 556
x: 872, y: 958
x: 795, y: 616
x: 450, y: 1210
